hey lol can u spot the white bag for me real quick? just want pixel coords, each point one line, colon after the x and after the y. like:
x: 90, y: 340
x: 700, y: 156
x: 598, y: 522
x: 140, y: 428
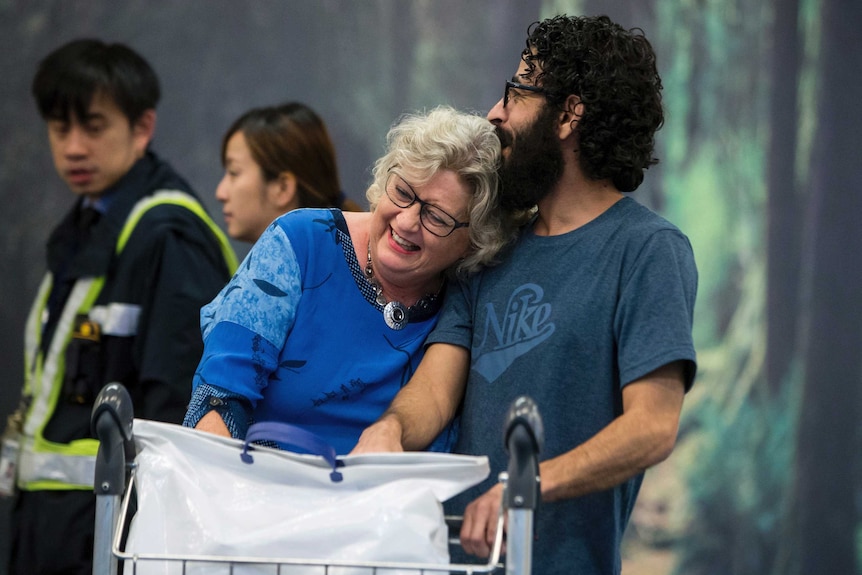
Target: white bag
x: 196, y: 497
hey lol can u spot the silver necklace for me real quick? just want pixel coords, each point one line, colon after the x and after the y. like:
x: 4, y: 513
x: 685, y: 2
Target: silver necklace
x: 396, y: 314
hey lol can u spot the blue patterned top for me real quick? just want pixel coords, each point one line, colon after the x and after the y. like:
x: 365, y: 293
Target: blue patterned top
x: 297, y: 337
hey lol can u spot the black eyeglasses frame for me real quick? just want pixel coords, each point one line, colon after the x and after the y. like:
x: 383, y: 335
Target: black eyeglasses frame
x: 517, y: 86
x: 423, y: 206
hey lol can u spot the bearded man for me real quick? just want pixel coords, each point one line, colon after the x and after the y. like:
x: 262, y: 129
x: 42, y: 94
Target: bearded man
x: 590, y: 312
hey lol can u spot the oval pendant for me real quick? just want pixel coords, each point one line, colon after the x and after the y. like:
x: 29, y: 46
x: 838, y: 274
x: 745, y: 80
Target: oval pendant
x: 395, y: 315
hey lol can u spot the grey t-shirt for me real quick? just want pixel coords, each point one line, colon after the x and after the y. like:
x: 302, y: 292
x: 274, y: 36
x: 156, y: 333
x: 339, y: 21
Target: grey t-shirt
x: 569, y: 320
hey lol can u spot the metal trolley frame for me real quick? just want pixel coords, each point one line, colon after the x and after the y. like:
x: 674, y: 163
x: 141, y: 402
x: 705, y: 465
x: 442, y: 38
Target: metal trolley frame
x: 111, y: 422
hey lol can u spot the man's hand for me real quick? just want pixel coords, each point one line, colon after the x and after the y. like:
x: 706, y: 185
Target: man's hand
x: 424, y: 406
x: 480, y: 522
x: 382, y: 436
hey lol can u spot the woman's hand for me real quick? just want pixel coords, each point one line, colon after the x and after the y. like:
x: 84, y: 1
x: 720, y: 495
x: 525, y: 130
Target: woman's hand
x: 382, y: 436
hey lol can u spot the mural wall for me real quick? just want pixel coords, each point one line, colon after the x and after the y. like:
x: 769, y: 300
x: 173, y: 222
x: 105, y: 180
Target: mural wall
x: 759, y: 166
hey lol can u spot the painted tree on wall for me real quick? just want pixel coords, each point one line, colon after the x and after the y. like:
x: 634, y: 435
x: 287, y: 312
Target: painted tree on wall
x: 749, y: 515
x: 784, y: 219
x: 826, y: 491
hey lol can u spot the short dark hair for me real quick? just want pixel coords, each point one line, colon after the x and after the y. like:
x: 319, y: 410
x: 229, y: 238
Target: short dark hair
x: 69, y: 77
x: 613, y: 71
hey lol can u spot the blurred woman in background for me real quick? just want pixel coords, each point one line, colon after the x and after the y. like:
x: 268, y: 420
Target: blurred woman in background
x: 277, y: 159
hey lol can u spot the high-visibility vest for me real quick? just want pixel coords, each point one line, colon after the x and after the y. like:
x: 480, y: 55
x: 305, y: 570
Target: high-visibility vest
x: 47, y: 465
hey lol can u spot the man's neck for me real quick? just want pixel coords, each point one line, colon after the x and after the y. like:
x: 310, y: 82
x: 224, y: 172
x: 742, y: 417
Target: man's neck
x: 574, y: 202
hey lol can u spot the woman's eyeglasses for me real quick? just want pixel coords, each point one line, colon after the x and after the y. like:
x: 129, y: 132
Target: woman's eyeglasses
x: 433, y: 219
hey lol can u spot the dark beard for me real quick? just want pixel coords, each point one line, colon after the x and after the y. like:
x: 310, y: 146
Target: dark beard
x: 534, y: 165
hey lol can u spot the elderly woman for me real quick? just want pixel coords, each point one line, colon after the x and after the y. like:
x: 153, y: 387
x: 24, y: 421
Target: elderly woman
x: 326, y: 318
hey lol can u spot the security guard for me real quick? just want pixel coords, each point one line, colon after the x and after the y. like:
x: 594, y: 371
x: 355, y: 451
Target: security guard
x: 128, y: 269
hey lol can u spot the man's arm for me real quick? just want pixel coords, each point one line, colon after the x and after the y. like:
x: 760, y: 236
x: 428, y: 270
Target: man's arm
x: 642, y: 436
x: 424, y: 406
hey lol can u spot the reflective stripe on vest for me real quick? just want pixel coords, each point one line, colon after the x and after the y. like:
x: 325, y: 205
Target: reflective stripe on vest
x: 119, y: 319
x: 46, y: 465
x: 183, y: 199
x: 33, y: 331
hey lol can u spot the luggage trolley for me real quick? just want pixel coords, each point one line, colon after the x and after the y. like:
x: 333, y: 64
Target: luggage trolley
x: 112, y: 419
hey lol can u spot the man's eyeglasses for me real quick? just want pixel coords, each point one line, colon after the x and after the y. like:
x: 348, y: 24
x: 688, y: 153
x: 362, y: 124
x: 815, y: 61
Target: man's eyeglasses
x: 433, y: 218
x: 527, y: 87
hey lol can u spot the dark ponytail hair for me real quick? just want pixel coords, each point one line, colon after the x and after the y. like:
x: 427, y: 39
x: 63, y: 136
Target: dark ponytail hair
x: 292, y: 138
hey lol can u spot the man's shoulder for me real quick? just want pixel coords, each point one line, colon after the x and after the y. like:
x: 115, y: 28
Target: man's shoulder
x: 640, y: 218
x: 168, y: 205
x: 168, y: 214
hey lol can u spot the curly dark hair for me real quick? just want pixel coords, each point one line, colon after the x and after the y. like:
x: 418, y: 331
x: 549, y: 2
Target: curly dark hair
x: 613, y: 71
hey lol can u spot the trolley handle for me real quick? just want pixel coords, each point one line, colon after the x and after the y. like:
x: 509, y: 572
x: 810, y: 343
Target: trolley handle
x: 524, y: 438
x: 111, y: 424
